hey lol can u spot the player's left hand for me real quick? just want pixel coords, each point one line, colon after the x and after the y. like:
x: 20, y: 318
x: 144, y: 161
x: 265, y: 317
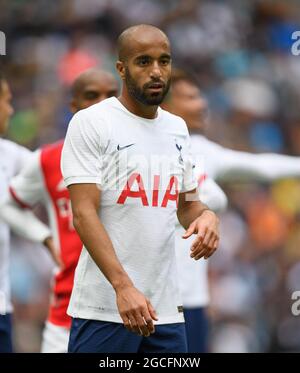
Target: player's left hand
x: 206, y: 227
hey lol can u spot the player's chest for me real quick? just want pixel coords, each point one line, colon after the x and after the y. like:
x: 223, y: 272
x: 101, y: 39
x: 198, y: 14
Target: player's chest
x: 144, y: 149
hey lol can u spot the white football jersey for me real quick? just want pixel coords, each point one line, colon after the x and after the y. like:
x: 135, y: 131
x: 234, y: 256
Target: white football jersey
x: 12, y: 158
x: 141, y: 165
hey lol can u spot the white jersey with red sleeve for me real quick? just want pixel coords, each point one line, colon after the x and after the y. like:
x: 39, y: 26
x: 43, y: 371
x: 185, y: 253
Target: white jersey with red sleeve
x: 12, y: 159
x: 41, y: 182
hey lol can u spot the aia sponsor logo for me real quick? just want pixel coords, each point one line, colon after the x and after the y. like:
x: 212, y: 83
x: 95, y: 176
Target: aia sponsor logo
x: 135, y: 188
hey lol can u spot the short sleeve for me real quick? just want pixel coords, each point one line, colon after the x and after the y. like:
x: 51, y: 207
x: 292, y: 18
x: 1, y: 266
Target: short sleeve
x: 81, y: 154
x: 189, y: 177
x: 27, y: 187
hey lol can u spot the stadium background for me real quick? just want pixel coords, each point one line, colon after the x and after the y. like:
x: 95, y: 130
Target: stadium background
x: 241, y: 47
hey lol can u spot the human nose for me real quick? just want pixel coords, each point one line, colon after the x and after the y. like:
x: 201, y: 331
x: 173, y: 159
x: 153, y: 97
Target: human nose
x: 155, y: 72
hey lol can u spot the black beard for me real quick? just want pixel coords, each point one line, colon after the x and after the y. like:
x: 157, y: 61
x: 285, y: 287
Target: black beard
x: 140, y: 94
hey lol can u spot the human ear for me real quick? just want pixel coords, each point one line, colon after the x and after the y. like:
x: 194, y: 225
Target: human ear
x: 120, y: 66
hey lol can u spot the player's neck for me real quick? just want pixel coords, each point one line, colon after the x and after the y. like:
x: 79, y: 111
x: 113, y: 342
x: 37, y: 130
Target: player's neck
x: 136, y: 107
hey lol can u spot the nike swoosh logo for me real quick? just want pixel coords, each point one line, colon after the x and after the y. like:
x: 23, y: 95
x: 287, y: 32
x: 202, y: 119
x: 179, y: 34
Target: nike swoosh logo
x: 123, y: 147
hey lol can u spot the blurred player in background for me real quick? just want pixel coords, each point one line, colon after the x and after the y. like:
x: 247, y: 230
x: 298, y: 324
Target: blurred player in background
x: 40, y: 181
x: 12, y: 158
x: 221, y: 164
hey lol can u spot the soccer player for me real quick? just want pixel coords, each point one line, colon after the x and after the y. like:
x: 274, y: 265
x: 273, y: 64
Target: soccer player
x: 186, y: 100
x: 41, y: 182
x: 126, y: 163
x: 12, y: 157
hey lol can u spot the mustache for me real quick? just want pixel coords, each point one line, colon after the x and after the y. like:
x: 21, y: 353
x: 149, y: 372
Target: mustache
x: 155, y: 83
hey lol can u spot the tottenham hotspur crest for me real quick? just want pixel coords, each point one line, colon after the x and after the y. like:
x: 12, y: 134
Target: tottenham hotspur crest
x: 179, y: 148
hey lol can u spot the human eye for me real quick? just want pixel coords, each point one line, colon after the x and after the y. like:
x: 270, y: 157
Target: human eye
x: 91, y: 95
x: 143, y: 61
x: 165, y: 60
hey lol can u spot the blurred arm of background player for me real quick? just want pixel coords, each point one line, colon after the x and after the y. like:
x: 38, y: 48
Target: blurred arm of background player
x: 24, y: 223
x: 186, y: 100
x: 211, y: 194
x: 15, y: 209
x: 237, y: 165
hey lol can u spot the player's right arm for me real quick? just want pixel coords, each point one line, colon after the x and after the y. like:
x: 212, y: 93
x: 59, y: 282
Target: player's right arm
x: 82, y: 172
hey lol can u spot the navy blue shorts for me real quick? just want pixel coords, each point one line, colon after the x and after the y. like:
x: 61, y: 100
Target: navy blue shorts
x: 5, y: 334
x: 197, y: 329
x: 109, y: 337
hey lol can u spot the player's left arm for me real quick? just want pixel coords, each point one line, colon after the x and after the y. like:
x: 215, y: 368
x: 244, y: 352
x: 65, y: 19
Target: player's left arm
x: 198, y: 219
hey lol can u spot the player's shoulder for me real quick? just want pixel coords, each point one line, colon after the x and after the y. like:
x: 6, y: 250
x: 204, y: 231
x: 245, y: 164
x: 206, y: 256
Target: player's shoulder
x: 33, y: 166
x: 16, y: 156
x: 98, y: 110
x: 201, y: 143
x: 174, y: 121
x: 9, y: 146
x: 199, y: 139
x: 51, y: 153
x: 94, y: 119
x: 12, y: 149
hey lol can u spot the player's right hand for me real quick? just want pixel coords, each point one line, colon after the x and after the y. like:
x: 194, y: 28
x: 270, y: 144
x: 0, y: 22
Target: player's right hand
x: 136, y: 311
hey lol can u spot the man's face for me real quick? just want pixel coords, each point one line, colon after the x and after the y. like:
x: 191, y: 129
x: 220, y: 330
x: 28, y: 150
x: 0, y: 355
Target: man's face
x: 187, y: 102
x: 148, y: 71
x: 94, y: 92
x: 6, y: 109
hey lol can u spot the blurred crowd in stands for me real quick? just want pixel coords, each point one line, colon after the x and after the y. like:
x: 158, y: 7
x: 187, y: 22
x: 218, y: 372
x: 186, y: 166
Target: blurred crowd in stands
x: 240, y: 54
